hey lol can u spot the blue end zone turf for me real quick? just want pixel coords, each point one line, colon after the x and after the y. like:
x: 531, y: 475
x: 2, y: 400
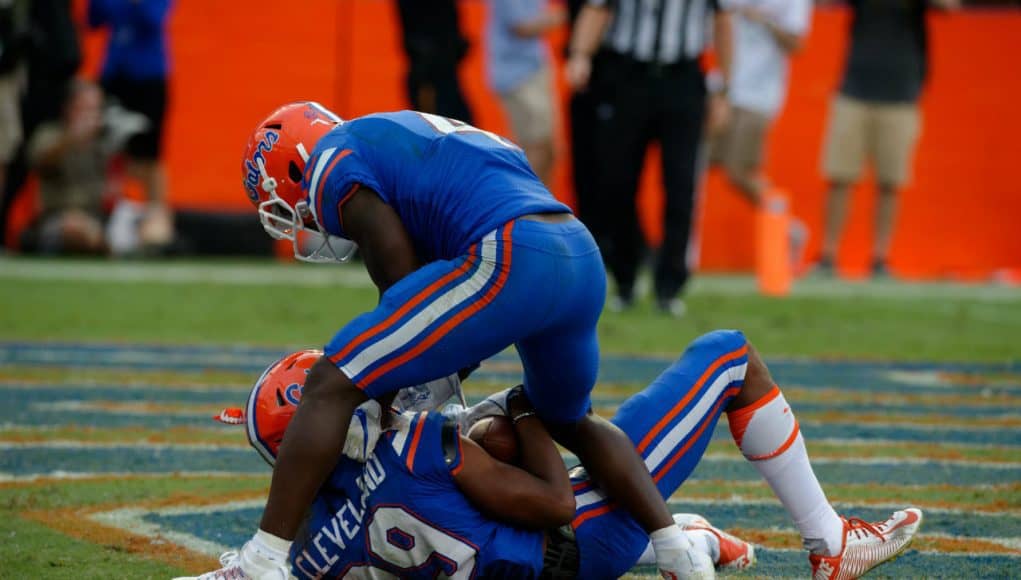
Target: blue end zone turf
x: 972, y: 406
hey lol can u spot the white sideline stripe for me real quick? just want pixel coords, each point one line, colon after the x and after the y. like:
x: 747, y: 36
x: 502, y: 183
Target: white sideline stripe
x: 870, y: 441
x: 926, y: 552
x: 679, y: 497
x: 402, y: 434
x: 879, y: 460
x: 61, y: 475
x: 1011, y: 543
x: 436, y: 308
x: 268, y: 274
x: 910, y: 426
x: 122, y: 409
x: 132, y: 520
x: 105, y: 445
x: 95, y: 386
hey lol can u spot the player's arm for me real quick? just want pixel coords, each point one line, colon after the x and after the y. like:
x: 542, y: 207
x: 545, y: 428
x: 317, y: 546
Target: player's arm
x: 536, y: 495
x: 385, y: 245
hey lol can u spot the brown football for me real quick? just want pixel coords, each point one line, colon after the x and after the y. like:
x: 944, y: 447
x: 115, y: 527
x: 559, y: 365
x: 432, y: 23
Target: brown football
x: 496, y: 435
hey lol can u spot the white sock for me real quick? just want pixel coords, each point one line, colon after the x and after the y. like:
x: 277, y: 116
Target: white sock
x: 271, y: 546
x: 768, y: 435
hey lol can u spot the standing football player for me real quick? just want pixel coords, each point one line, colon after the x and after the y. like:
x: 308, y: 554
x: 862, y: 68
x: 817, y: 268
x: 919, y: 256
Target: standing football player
x: 471, y: 254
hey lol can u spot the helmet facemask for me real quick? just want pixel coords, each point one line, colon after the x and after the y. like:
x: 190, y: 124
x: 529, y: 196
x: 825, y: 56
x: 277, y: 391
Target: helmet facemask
x: 283, y: 222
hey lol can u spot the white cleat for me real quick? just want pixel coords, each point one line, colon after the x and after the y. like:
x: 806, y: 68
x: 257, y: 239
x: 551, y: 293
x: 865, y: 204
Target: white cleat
x: 234, y: 564
x: 867, y: 545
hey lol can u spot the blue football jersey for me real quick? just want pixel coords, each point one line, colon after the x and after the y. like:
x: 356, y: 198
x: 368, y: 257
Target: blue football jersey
x: 400, y: 515
x: 449, y: 182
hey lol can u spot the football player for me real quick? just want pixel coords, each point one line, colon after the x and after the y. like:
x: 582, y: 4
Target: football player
x: 471, y: 254
x: 427, y: 500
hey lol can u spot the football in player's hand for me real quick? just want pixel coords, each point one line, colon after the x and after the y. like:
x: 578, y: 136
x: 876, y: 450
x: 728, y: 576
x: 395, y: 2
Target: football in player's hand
x: 496, y: 435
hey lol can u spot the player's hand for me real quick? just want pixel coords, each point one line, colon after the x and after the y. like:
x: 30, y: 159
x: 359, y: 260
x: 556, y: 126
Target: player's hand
x: 363, y: 432
x: 688, y: 564
x: 518, y: 403
x: 578, y: 71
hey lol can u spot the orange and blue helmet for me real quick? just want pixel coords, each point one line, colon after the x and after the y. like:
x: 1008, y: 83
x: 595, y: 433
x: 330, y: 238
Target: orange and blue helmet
x: 272, y: 171
x: 273, y: 401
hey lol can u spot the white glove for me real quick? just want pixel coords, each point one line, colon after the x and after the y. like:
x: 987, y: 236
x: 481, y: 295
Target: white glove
x: 495, y: 404
x: 429, y: 396
x: 677, y: 557
x: 363, y: 432
x: 692, y: 563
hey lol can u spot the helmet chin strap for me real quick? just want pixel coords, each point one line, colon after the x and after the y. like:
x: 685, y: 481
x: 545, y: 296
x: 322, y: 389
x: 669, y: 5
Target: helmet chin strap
x: 325, y: 248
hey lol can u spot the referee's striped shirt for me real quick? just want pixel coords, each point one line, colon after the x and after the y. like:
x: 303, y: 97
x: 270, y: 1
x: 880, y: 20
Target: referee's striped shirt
x: 661, y: 31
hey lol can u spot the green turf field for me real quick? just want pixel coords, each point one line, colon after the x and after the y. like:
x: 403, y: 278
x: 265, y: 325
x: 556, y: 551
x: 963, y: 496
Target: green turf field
x: 81, y: 449
x: 264, y: 303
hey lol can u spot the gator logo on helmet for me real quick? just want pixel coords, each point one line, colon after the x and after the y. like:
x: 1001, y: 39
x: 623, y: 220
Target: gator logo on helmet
x: 252, y: 165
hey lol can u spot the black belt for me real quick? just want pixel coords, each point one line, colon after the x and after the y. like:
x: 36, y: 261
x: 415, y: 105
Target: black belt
x: 649, y: 68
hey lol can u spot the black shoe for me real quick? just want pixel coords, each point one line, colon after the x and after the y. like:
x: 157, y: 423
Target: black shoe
x: 824, y: 267
x: 674, y: 307
x: 618, y: 303
x: 879, y: 268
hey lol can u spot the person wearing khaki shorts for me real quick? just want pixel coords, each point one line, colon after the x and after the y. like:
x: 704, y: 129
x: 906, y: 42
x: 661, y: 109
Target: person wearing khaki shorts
x: 884, y: 134
x: 766, y: 33
x: 875, y: 117
x: 529, y: 109
x: 518, y: 66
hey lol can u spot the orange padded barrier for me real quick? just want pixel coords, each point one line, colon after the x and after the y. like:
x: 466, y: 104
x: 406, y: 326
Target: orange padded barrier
x: 773, y: 252
x: 234, y: 61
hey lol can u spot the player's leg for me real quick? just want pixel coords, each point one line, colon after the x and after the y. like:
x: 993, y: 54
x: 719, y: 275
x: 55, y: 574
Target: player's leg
x: 670, y: 424
x: 430, y: 324
x: 561, y: 364
x: 765, y: 429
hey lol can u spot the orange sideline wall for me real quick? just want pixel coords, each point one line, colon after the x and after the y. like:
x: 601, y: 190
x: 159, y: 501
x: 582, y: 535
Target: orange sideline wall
x: 234, y: 61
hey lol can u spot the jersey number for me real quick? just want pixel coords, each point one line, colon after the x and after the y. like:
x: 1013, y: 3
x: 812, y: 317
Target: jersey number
x: 447, y: 126
x: 415, y: 547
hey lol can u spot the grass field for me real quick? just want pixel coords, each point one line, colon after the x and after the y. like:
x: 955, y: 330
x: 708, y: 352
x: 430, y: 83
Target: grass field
x: 110, y: 467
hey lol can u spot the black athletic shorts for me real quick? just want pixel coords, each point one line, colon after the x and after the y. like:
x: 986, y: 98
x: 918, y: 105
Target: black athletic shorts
x: 148, y: 97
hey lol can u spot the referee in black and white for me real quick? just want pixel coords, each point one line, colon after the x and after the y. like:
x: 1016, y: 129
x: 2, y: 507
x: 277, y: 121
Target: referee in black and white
x: 640, y: 61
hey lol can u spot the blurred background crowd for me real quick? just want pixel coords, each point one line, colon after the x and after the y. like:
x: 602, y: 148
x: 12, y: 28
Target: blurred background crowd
x: 91, y: 103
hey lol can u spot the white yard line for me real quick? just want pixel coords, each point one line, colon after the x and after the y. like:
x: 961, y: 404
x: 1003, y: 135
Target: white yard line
x: 87, y: 475
x: 185, y: 273
x: 710, y: 457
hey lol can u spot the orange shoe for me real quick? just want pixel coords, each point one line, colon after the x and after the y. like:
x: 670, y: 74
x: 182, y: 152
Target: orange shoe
x: 867, y: 545
x: 735, y: 553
